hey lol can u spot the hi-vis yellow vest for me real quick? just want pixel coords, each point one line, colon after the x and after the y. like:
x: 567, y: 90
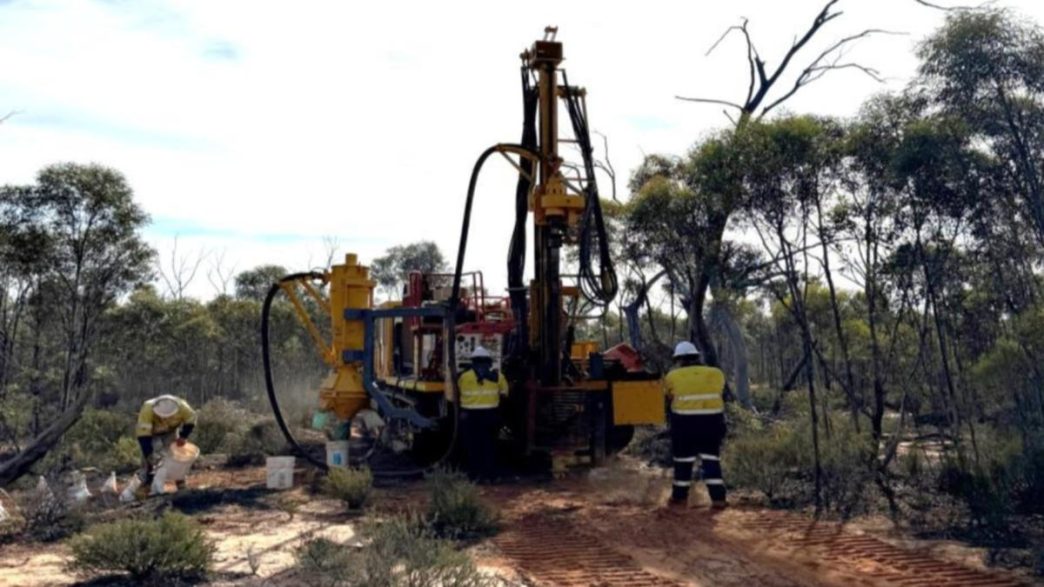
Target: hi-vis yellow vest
x: 696, y: 389
x: 474, y: 396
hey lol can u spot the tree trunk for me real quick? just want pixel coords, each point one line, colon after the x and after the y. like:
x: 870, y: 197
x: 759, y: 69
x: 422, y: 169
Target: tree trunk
x: 738, y: 349
x: 18, y: 465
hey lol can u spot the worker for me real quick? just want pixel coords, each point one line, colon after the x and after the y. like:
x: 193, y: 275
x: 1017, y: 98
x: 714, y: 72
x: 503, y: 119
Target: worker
x: 481, y: 388
x: 162, y: 421
x: 695, y: 392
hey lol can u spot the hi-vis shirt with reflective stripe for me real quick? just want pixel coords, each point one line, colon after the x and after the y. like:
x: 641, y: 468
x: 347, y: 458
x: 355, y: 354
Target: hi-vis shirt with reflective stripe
x: 475, y: 396
x: 696, y: 389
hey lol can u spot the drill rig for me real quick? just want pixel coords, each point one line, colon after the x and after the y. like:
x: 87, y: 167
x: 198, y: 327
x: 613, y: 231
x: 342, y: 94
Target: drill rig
x: 397, y: 364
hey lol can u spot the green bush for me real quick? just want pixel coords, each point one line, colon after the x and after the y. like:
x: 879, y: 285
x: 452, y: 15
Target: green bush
x: 778, y: 460
x: 762, y: 460
x: 48, y: 518
x: 352, y: 486
x: 400, y: 552
x: 94, y: 441
x: 217, y: 420
x: 151, y: 551
x: 323, y: 562
x: 455, y: 510
x: 250, y: 447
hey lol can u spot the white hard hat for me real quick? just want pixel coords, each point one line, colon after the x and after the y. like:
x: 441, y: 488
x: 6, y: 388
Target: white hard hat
x: 165, y: 406
x: 685, y: 348
x: 481, y: 353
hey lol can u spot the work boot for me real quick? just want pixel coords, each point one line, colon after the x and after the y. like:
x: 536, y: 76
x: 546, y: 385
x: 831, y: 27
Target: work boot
x: 677, y: 503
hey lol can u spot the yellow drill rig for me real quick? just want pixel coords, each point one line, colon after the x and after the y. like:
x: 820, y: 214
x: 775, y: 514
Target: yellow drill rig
x: 397, y: 364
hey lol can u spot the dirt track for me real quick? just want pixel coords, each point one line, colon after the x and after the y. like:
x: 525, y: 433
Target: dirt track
x: 615, y: 531
x: 606, y: 528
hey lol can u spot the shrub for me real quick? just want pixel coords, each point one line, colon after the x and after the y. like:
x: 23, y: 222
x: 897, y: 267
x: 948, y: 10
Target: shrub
x: 400, y: 552
x: 352, y: 486
x: 455, y: 510
x: 778, y: 460
x: 151, y: 551
x: 761, y: 460
x: 324, y: 562
x: 218, y: 419
x: 260, y: 440
x: 48, y: 518
x: 94, y: 441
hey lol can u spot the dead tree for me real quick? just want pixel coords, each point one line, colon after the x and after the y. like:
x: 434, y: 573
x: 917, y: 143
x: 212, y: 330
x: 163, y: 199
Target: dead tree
x: 220, y: 276
x: 760, y: 99
x: 182, y: 271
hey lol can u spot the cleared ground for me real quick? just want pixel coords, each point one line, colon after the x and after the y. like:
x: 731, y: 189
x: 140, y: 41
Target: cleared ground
x: 605, y: 527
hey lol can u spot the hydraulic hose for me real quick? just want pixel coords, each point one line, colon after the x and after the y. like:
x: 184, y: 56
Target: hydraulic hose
x: 519, y: 343
x: 266, y: 360
x: 277, y: 411
x: 599, y: 288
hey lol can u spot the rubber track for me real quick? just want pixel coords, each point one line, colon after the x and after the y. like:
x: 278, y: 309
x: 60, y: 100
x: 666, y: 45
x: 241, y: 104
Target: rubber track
x: 552, y: 552
x: 886, y: 564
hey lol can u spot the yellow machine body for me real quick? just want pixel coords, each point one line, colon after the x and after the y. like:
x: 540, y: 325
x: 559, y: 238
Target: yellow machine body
x: 638, y: 402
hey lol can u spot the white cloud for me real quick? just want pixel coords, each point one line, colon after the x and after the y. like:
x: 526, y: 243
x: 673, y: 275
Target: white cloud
x: 254, y: 125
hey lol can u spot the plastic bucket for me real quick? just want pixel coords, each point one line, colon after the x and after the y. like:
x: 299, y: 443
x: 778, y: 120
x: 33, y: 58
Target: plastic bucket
x: 177, y: 461
x: 280, y: 472
x: 337, y: 453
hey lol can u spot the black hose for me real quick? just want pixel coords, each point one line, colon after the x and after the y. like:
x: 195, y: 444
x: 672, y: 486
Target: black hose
x: 599, y: 288
x: 518, y: 343
x: 274, y: 401
x: 266, y: 360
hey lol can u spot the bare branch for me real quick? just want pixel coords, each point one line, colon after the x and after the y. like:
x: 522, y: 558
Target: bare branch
x: 218, y: 275
x: 951, y: 8
x: 817, y: 68
x: 711, y: 101
x: 606, y: 164
x: 331, y: 244
x: 182, y: 270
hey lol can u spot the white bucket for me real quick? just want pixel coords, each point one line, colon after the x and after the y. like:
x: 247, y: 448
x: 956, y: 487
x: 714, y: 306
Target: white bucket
x: 337, y: 453
x: 280, y: 472
x: 177, y: 460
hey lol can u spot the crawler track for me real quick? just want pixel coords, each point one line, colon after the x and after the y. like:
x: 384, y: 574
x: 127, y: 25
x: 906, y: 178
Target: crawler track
x: 879, y: 562
x: 552, y: 552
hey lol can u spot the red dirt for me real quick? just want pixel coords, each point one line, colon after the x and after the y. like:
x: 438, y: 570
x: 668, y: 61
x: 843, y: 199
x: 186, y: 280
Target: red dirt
x: 577, y: 533
x: 607, y: 528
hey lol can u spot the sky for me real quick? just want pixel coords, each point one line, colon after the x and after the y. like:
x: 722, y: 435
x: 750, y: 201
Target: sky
x: 258, y: 132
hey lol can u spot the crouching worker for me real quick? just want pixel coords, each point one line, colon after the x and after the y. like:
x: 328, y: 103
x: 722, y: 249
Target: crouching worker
x: 481, y: 387
x: 697, y: 406
x: 162, y: 421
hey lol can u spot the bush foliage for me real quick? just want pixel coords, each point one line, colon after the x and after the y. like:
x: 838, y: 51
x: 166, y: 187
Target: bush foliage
x: 400, y: 552
x: 455, y: 509
x: 351, y: 486
x: 154, y: 551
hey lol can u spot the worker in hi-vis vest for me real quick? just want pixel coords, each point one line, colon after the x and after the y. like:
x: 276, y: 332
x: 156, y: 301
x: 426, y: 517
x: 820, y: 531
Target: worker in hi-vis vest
x: 697, y: 406
x: 480, y: 387
x: 162, y: 421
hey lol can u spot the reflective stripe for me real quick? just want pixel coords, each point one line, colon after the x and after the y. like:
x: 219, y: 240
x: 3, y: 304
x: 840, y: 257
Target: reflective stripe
x: 709, y: 457
x: 685, y: 459
x: 699, y: 412
x: 479, y: 407
x: 682, y: 483
x: 698, y: 397
x: 714, y: 482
